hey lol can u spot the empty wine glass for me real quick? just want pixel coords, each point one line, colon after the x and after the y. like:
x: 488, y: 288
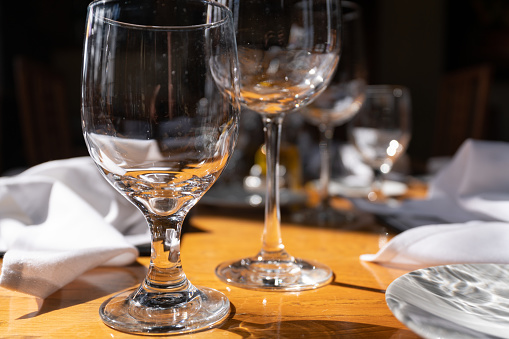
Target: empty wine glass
x: 381, y: 131
x: 288, y: 51
x: 334, y: 107
x: 160, y: 108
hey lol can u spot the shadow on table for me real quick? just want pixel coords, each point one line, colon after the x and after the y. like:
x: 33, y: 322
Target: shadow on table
x: 357, y: 287
x: 92, y: 285
x: 310, y: 329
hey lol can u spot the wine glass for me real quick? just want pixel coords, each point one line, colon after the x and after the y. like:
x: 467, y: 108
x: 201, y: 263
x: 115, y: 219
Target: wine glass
x: 381, y: 131
x: 288, y: 51
x: 160, y: 108
x: 334, y: 107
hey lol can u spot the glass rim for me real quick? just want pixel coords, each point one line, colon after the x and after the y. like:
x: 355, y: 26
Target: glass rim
x: 226, y: 10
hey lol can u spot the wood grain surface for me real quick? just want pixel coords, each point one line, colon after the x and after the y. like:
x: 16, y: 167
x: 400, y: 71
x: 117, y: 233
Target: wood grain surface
x: 352, y: 306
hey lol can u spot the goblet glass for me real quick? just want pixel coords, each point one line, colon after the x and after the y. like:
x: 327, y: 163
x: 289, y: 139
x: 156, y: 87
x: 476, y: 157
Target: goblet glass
x: 334, y: 107
x: 381, y: 131
x: 288, y: 51
x: 160, y: 117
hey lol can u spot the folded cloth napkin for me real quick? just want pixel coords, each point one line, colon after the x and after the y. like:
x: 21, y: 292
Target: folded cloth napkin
x: 60, y: 219
x: 465, y: 218
x: 425, y: 246
x: 474, y: 186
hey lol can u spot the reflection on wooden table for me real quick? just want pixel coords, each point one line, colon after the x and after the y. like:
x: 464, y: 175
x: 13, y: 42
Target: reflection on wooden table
x: 352, y: 306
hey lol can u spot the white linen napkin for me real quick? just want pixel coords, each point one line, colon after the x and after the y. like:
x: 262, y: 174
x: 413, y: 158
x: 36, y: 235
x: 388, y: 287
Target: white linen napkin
x: 465, y: 218
x: 432, y: 245
x: 474, y: 186
x: 60, y: 219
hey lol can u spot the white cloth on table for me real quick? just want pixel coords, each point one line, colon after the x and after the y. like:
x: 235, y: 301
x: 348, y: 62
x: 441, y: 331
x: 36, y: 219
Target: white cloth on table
x: 60, y: 219
x: 465, y: 218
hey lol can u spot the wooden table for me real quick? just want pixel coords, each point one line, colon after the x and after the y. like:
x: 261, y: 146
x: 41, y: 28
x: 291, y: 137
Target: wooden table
x: 352, y: 306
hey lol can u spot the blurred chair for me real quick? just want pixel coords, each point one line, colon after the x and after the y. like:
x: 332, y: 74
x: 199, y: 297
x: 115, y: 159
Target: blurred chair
x: 462, y: 108
x: 43, y: 111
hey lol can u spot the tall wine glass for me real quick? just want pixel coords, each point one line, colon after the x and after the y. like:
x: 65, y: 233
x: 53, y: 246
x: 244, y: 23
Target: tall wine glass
x: 334, y: 107
x: 160, y: 114
x: 288, y: 51
x: 381, y: 131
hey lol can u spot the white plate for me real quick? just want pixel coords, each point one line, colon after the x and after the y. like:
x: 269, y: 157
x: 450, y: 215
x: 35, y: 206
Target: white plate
x: 453, y: 301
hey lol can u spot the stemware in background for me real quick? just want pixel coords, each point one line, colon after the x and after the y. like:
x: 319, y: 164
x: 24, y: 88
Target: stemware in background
x: 335, y: 106
x: 288, y: 51
x: 381, y: 131
x: 160, y: 117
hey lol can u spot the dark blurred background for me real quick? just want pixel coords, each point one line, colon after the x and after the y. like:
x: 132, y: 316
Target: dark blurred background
x: 413, y: 43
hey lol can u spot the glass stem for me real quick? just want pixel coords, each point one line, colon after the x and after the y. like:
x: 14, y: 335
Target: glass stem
x: 272, y: 245
x: 376, y: 186
x: 165, y: 276
x: 326, y: 134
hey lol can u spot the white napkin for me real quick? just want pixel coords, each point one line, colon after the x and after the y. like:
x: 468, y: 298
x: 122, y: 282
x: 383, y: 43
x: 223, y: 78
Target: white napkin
x: 468, y: 203
x: 60, y: 219
x: 425, y: 246
x: 474, y: 186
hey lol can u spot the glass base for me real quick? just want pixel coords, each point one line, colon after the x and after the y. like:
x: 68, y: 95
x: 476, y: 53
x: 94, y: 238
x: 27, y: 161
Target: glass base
x: 293, y: 275
x: 206, y: 309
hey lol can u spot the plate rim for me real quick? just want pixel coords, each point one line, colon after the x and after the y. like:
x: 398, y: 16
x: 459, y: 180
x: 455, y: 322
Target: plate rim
x: 413, y: 325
